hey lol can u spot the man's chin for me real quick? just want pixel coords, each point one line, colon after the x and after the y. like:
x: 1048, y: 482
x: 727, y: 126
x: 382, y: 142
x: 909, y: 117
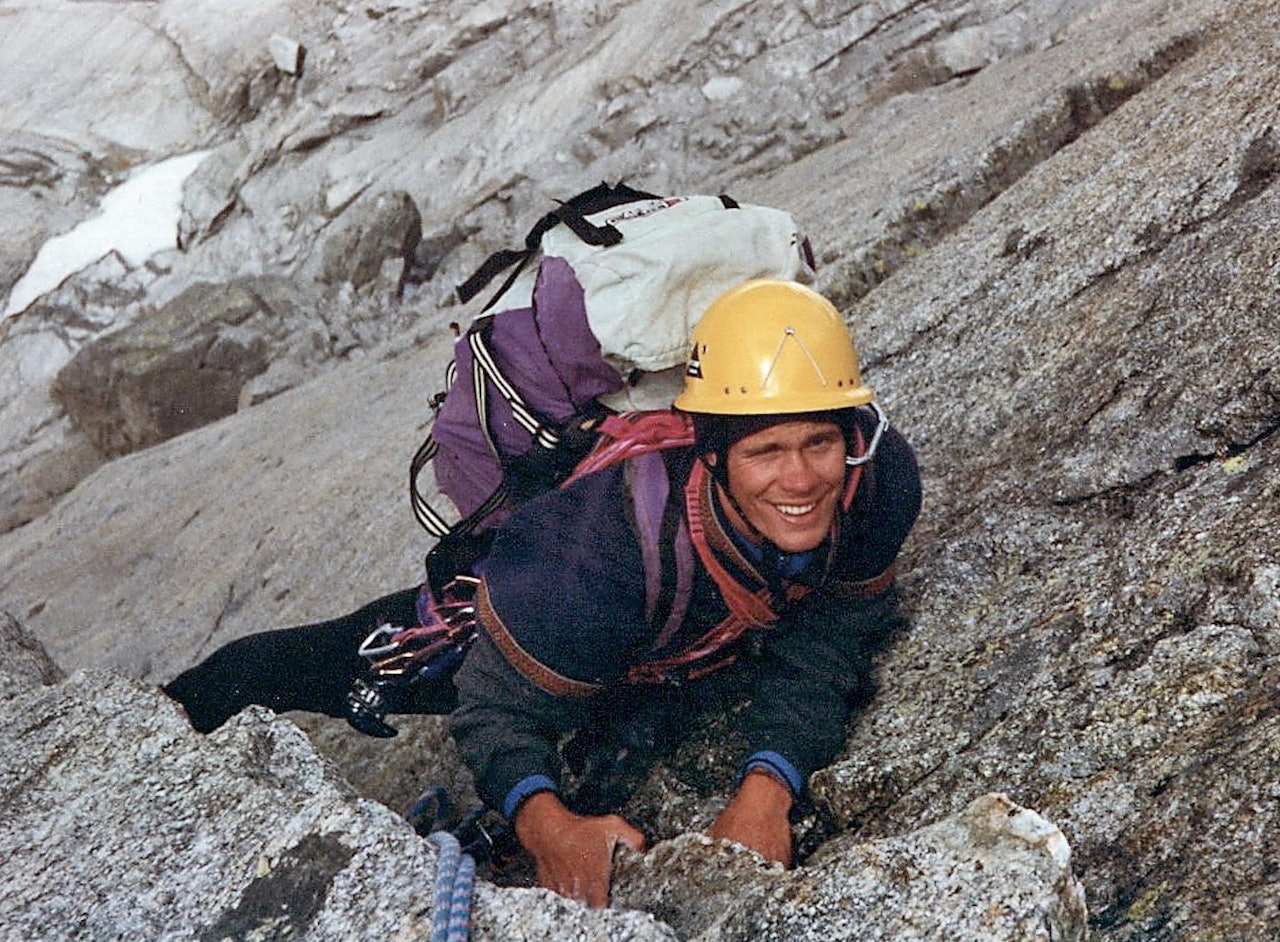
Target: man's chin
x: 797, y: 540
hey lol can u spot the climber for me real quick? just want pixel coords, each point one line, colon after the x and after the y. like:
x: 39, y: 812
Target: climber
x: 779, y: 519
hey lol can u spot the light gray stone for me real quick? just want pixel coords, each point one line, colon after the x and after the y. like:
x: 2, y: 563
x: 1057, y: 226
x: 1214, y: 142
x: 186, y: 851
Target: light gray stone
x: 122, y: 822
x: 374, y: 231
x: 993, y: 871
x: 26, y: 663
x: 288, y: 54
x: 1053, y: 228
x: 397, y: 101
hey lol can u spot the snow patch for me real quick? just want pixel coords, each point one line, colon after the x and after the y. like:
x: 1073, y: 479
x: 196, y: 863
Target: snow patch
x: 137, y: 219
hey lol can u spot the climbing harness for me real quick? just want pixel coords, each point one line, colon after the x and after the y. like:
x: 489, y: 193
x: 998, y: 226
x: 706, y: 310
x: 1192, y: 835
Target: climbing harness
x: 748, y: 608
x: 400, y: 657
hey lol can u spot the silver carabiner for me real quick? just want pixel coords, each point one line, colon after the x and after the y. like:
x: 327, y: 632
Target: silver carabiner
x: 379, y: 642
x: 882, y: 423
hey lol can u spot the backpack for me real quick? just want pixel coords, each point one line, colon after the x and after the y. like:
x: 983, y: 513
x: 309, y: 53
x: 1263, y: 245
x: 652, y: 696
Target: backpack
x: 593, y: 318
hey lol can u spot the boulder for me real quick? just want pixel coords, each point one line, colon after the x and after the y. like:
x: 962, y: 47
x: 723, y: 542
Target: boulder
x: 247, y: 833
x: 26, y: 664
x: 42, y: 455
x: 993, y: 871
x: 185, y: 364
x: 123, y: 822
x: 376, y: 230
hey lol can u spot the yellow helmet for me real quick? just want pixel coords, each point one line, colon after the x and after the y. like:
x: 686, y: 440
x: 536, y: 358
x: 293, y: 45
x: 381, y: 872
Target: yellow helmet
x: 771, y: 347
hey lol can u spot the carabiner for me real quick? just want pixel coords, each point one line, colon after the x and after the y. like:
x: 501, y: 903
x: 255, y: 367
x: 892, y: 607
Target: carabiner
x: 882, y: 423
x: 379, y: 642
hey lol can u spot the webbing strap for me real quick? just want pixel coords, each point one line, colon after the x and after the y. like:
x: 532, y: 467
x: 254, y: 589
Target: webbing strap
x: 572, y: 213
x: 423, y: 512
x: 427, y: 516
x: 493, y: 266
x: 486, y: 367
x: 747, y: 609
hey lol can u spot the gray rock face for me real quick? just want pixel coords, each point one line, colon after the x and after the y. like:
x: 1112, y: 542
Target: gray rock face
x: 461, y: 123
x: 1055, y: 236
x: 27, y: 664
x: 380, y: 230
x: 248, y: 834
x: 993, y: 871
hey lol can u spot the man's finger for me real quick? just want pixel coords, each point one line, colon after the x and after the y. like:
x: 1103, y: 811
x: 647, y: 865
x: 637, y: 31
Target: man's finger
x: 628, y: 835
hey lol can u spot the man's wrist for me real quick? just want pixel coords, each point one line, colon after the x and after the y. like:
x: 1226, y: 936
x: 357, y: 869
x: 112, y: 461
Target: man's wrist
x: 541, y: 818
x: 760, y: 788
x: 776, y: 765
x: 523, y: 790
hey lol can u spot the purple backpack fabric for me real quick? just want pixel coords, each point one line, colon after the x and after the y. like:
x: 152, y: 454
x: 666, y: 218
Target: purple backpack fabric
x: 553, y: 361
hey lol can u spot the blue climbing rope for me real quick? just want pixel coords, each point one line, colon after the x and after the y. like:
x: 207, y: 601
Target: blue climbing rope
x: 455, y: 879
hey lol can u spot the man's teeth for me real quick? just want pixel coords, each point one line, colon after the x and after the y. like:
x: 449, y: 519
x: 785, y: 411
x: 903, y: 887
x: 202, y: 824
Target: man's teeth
x: 795, y: 510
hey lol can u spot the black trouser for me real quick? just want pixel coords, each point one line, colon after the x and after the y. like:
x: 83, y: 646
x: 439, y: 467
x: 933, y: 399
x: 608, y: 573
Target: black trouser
x: 312, y: 668
x: 306, y: 668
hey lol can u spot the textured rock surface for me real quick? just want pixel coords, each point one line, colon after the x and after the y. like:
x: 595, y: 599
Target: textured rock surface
x: 993, y: 871
x: 175, y: 370
x: 476, y: 116
x: 121, y: 822
x: 1095, y: 624
x: 1056, y: 238
x: 26, y: 664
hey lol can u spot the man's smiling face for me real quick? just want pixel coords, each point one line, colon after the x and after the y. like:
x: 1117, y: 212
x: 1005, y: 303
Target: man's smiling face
x: 787, y: 479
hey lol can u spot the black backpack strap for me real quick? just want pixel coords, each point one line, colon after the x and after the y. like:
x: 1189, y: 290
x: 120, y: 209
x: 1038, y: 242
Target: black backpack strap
x: 572, y: 213
x: 493, y: 266
x: 425, y: 514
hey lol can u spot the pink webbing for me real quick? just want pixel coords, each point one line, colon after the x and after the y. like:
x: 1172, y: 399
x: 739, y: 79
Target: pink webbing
x: 634, y: 433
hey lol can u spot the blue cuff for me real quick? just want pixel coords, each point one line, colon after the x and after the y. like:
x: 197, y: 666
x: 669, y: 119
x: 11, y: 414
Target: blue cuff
x: 778, y: 766
x: 525, y: 788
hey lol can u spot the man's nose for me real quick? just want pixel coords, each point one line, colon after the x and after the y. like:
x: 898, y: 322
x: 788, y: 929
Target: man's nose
x: 798, y: 473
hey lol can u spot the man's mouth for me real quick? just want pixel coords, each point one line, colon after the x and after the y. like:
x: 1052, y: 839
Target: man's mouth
x: 794, y: 510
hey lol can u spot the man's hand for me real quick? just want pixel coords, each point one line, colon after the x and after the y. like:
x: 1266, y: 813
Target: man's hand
x: 574, y: 853
x: 757, y: 817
